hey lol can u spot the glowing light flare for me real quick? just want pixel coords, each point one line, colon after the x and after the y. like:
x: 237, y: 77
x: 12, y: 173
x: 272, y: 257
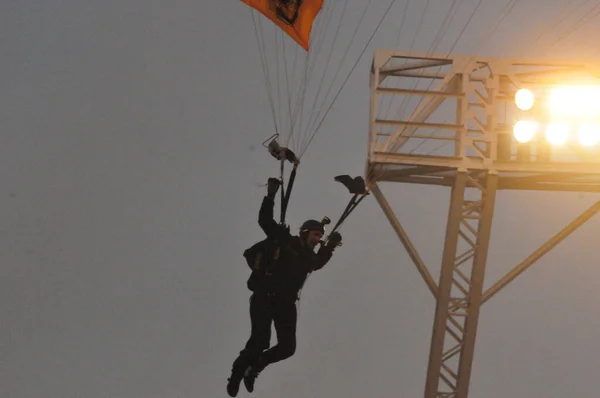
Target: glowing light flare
x: 588, y: 134
x: 524, y: 99
x: 574, y: 101
x: 557, y: 133
x: 524, y: 130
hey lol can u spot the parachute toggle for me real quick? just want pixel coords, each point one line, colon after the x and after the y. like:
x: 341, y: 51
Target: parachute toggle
x: 281, y: 153
x: 355, y: 185
x: 294, y: 17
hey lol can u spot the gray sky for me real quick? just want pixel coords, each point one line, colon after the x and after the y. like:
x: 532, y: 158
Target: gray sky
x: 131, y: 170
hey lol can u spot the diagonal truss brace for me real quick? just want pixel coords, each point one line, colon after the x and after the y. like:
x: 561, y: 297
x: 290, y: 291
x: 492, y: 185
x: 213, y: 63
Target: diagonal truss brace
x: 410, y: 248
x: 542, y: 250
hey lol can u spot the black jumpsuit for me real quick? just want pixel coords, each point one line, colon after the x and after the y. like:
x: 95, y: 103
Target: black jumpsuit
x: 275, y: 293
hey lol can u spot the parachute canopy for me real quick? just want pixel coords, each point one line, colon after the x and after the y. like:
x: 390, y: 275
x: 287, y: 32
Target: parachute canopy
x: 294, y: 17
x: 308, y: 49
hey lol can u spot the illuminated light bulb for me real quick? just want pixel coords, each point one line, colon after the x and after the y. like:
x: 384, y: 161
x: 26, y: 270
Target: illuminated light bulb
x: 524, y: 130
x: 524, y: 99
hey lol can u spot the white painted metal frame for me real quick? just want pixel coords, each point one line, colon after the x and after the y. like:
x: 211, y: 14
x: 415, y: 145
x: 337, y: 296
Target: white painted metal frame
x: 481, y: 159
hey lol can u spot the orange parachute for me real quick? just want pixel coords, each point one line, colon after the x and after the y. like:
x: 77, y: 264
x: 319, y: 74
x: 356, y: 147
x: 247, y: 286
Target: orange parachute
x: 301, y: 81
x: 294, y: 17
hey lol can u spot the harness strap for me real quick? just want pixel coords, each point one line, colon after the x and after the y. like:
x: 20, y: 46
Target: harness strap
x: 282, y: 215
x: 286, y: 200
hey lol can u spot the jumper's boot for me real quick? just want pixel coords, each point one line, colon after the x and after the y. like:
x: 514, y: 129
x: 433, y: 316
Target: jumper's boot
x: 233, y: 382
x: 252, y: 373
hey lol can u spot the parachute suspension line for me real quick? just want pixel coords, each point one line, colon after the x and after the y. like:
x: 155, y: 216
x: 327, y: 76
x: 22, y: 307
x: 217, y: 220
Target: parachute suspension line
x: 299, y: 93
x: 296, y: 116
x: 429, y: 86
x: 404, y: 12
x: 560, y: 19
x: 412, y: 45
x: 439, y: 68
x: 549, y: 27
x: 300, y: 101
x: 465, y: 27
x: 293, y: 114
x: 288, y: 90
x: 436, y: 42
x: 321, y: 29
x: 510, y: 4
x: 265, y: 69
x: 440, y: 33
x: 282, y: 79
x: 299, y: 97
x: 578, y: 23
x: 277, y: 77
x: 507, y: 9
x: 347, y: 77
x: 311, y: 122
x: 401, y: 110
x: 289, y: 93
x: 445, y: 24
x: 315, y: 130
x: 273, y: 87
x: 310, y: 61
x: 292, y: 93
x: 432, y: 47
x: 278, y: 83
x: 298, y: 109
x: 583, y: 21
x: 312, y: 58
x: 320, y: 85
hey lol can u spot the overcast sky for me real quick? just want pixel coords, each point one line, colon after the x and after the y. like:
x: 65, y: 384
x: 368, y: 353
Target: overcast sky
x: 131, y: 169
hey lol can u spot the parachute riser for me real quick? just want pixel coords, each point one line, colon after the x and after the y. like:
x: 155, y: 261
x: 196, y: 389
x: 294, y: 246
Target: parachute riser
x: 283, y: 205
x: 285, y: 198
x: 355, y: 186
x: 282, y: 154
x: 352, y: 204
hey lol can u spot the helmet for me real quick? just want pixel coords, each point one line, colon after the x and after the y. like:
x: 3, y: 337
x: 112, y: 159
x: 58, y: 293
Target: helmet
x: 312, y: 225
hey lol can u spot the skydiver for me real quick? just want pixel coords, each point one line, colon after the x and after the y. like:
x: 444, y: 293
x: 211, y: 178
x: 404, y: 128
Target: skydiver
x: 281, y: 264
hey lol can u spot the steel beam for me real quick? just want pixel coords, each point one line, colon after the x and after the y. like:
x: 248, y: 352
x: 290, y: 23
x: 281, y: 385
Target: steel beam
x: 403, y: 236
x: 542, y: 250
x: 477, y: 162
x: 460, y: 287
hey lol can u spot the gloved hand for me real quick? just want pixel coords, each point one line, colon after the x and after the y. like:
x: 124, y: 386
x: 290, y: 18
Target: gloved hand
x: 335, y: 239
x: 272, y: 186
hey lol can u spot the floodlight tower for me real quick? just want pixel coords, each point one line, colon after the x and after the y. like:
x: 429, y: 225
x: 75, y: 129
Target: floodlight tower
x: 456, y: 127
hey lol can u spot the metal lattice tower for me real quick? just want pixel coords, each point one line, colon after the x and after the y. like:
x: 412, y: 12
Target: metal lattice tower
x: 454, y: 129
